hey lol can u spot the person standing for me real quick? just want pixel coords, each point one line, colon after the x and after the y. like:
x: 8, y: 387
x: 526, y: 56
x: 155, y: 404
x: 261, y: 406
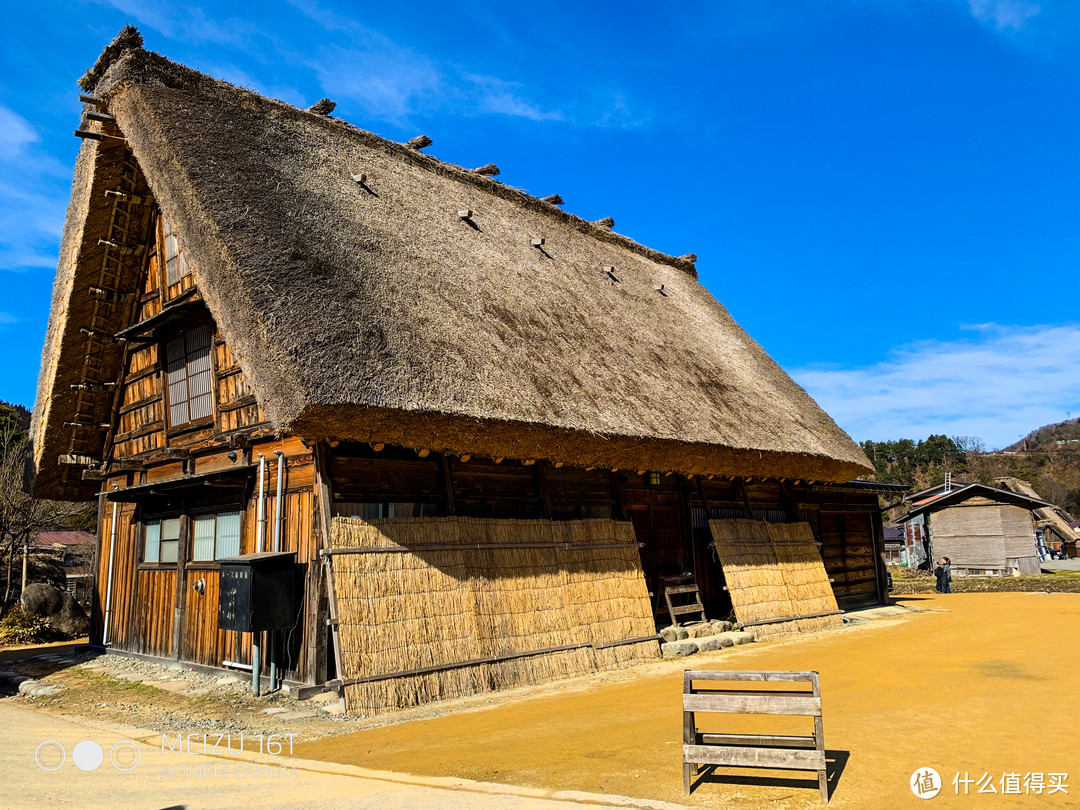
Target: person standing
x: 943, y: 573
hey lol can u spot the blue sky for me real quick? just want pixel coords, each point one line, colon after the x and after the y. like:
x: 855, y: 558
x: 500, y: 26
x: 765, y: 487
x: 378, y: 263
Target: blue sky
x: 882, y: 192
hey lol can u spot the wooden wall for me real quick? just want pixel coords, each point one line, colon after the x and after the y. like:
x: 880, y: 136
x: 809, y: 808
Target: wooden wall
x: 155, y: 608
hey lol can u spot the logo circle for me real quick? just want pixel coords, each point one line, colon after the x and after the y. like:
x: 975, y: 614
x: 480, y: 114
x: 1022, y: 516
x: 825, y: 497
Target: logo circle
x: 925, y: 783
x: 63, y: 755
x: 87, y: 755
x: 125, y: 755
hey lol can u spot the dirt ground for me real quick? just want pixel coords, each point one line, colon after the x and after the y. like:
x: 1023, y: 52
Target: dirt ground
x: 975, y: 683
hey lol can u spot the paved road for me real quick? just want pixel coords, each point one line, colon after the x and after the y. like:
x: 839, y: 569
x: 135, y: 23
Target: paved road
x: 177, y: 780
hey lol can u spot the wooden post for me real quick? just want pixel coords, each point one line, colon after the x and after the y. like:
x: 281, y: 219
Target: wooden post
x: 97, y: 610
x: 620, y: 505
x: 740, y: 488
x: 877, y: 548
x: 182, y: 553
x: 540, y: 479
x: 688, y: 734
x: 448, y: 485
x: 819, y: 741
x: 322, y: 492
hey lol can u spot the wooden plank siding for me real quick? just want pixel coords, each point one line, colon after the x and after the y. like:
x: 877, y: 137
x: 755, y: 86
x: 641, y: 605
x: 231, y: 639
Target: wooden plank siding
x: 155, y: 608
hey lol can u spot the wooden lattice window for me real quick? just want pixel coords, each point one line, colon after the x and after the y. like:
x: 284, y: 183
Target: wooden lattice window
x: 176, y: 266
x: 190, y: 380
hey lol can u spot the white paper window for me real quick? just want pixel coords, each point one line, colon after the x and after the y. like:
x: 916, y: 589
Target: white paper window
x: 202, y: 549
x: 228, y: 534
x: 152, y: 546
x: 216, y: 536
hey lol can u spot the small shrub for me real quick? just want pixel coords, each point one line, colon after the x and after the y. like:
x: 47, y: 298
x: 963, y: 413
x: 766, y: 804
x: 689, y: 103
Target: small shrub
x: 22, y: 627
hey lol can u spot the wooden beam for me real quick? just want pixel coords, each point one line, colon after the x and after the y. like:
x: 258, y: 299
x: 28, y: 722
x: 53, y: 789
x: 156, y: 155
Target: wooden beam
x: 540, y: 479
x: 448, y: 485
x: 740, y: 488
x: 322, y: 497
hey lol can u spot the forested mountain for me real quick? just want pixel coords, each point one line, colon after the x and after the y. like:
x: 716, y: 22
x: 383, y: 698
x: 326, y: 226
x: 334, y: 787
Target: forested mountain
x: 1052, y: 469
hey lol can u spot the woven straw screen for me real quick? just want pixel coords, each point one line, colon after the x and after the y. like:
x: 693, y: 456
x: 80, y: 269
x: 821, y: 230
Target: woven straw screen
x: 774, y: 571
x: 467, y: 599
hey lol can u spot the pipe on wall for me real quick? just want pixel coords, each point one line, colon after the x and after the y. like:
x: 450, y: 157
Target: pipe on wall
x: 260, y: 535
x: 279, y: 519
x: 280, y: 514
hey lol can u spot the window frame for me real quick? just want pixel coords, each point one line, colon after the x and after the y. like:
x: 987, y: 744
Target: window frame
x: 166, y: 233
x: 172, y: 428
x: 144, y: 528
x: 215, y: 513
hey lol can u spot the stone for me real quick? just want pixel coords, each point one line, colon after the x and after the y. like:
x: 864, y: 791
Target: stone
x: 172, y: 686
x: 194, y: 693
x: 713, y: 643
x: 700, y: 630
x: 325, y: 697
x: 42, y: 688
x: 722, y: 626
x: 65, y: 615
x: 670, y: 633
x: 678, y: 649
x: 42, y: 599
x: 741, y: 638
x: 295, y: 715
x: 275, y: 710
x: 333, y: 708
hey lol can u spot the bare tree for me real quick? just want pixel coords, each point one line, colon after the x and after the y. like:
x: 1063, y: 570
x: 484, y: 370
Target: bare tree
x: 23, y: 516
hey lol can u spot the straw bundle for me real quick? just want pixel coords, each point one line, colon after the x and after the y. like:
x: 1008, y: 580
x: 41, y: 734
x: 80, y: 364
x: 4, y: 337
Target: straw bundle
x: 808, y: 584
x: 773, y: 571
x: 754, y: 580
x: 471, y: 599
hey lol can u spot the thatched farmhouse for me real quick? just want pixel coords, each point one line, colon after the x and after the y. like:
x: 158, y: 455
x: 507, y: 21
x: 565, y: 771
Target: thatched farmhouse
x: 983, y: 530
x: 1051, y: 521
x: 481, y: 430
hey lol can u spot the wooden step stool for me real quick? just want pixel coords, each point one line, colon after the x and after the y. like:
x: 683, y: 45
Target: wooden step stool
x: 679, y: 586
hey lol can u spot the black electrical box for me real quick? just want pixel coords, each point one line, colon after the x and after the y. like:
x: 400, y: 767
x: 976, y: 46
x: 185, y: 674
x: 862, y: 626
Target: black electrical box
x: 258, y: 592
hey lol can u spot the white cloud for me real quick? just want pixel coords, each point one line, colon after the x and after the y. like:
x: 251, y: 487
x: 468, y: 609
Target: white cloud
x: 6, y: 319
x: 33, y: 194
x: 15, y: 133
x: 183, y: 22
x: 1004, y: 15
x: 392, y: 82
x: 1000, y: 384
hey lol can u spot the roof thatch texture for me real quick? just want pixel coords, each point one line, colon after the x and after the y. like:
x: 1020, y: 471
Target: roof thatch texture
x: 371, y: 311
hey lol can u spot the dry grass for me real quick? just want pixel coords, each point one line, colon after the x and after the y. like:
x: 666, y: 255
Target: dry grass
x: 468, y: 600
x: 774, y: 570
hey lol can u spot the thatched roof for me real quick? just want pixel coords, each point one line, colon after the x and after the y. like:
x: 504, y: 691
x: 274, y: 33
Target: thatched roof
x: 374, y: 311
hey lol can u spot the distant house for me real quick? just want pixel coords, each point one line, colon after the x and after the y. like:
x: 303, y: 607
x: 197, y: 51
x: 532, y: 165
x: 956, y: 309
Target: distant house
x: 76, y: 552
x: 983, y: 530
x: 1057, y: 527
x: 893, y: 540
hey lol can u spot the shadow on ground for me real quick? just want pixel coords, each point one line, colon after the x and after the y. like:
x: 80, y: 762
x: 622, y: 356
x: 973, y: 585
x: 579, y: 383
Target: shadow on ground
x: 835, y: 763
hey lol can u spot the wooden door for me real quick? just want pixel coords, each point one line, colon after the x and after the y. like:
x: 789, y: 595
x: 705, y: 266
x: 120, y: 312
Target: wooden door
x: 658, y: 523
